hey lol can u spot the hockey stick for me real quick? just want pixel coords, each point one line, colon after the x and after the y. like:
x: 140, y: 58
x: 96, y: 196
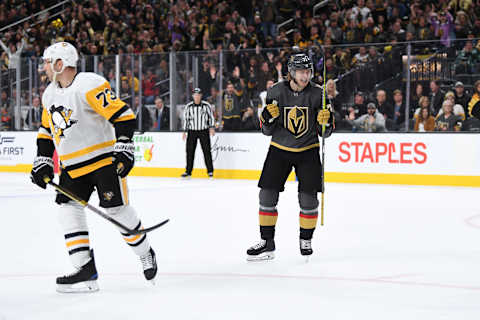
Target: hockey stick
x: 324, y: 105
x: 100, y: 213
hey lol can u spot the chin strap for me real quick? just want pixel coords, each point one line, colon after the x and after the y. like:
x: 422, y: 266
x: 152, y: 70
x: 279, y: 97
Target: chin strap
x: 55, y: 73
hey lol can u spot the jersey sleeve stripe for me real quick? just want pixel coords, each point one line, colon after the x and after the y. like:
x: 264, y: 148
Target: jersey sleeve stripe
x: 124, y: 111
x: 125, y: 118
x: 45, y: 130
x: 85, y: 151
x: 44, y: 136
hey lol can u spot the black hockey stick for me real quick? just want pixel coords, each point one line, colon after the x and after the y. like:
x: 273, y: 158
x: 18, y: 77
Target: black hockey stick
x: 100, y: 213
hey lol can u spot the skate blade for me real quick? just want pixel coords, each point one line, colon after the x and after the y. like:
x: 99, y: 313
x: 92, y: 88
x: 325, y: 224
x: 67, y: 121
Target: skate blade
x: 81, y: 287
x: 152, y: 282
x: 261, y: 257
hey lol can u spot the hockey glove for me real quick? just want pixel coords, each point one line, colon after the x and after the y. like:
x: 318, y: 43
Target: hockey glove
x: 270, y: 112
x: 123, y: 156
x: 42, y: 168
x: 323, y: 116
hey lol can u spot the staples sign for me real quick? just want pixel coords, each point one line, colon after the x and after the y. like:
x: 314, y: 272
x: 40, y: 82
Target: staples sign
x: 382, y: 152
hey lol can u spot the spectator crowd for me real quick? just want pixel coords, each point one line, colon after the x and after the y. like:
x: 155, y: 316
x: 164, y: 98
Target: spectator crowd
x: 360, y: 43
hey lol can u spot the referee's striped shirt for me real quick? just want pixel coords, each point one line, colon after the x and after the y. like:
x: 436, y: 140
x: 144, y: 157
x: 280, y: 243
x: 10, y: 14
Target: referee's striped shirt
x: 198, y: 116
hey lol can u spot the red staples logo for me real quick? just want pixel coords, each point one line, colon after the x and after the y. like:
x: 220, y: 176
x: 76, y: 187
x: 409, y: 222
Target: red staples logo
x: 392, y: 152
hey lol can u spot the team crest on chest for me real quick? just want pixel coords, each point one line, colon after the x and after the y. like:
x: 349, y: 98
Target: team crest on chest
x: 296, y: 120
x: 228, y: 103
x: 60, y: 120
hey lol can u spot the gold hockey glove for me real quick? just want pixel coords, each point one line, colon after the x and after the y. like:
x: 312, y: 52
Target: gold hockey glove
x: 270, y: 112
x: 323, y: 116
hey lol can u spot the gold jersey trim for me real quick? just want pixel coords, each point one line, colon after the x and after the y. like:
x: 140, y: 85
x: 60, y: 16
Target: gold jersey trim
x: 75, y: 173
x: 125, y: 118
x: 231, y: 117
x: 87, y: 150
x: 279, y: 146
x: 44, y: 136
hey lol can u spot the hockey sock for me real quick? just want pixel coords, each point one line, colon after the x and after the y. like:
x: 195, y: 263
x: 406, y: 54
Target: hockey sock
x: 308, y: 222
x: 72, y: 219
x: 268, y: 220
x: 127, y: 216
x: 308, y: 213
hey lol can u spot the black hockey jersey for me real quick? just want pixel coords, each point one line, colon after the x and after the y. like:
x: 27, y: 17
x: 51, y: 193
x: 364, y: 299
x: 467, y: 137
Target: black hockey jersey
x: 296, y: 129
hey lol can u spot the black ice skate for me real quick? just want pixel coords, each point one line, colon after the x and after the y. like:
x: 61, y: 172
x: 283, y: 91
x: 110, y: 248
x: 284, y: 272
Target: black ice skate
x: 306, y: 247
x: 83, y: 280
x: 185, y: 176
x: 264, y: 250
x: 149, y: 264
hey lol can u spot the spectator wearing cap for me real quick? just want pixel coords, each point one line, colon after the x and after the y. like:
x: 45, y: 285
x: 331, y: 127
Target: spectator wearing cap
x: 436, y: 96
x: 373, y: 121
x: 461, y: 97
x: 443, y: 26
x: 199, y: 122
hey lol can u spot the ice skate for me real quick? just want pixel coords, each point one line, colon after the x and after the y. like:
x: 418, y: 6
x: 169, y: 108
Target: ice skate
x: 149, y: 264
x: 306, y: 248
x: 83, y: 280
x: 264, y: 250
x: 185, y: 176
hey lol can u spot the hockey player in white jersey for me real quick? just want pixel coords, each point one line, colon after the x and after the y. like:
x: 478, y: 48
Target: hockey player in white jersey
x: 91, y: 129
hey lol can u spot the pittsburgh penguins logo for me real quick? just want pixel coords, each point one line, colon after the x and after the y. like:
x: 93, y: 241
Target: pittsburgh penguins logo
x: 60, y: 120
x: 296, y: 120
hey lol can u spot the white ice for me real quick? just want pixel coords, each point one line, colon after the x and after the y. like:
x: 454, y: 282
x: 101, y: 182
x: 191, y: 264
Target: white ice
x: 385, y: 252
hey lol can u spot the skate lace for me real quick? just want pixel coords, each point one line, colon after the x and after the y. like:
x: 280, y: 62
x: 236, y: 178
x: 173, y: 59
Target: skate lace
x: 147, y: 261
x: 305, y: 244
x: 259, y: 245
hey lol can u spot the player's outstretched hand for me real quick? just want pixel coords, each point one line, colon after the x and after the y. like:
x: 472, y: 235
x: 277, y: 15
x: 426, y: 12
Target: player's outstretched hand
x: 270, y: 112
x: 42, y: 167
x: 123, y: 156
x: 323, y: 116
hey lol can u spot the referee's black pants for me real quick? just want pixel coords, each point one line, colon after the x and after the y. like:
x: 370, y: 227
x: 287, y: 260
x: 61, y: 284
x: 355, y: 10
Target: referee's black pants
x: 192, y: 136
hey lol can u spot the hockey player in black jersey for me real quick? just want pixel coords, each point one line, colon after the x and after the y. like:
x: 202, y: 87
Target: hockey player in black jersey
x: 293, y: 117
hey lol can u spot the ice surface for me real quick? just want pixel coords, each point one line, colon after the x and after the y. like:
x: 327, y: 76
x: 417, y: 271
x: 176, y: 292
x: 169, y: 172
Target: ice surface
x: 385, y: 252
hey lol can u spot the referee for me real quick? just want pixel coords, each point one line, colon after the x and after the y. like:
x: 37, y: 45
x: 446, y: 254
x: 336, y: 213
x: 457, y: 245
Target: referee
x: 199, y: 122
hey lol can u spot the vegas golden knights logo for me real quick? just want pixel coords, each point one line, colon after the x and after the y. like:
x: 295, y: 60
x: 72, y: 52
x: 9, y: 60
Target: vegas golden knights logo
x: 228, y: 103
x: 296, y: 120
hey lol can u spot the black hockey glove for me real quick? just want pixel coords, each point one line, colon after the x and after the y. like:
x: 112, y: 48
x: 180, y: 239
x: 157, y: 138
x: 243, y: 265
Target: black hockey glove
x: 42, y: 167
x: 270, y: 113
x: 123, y: 156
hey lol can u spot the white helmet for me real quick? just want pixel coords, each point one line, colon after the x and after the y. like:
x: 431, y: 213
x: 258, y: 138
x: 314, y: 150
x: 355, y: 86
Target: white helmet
x: 63, y: 51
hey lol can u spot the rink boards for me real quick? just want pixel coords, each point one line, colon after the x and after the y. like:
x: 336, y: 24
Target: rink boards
x: 411, y: 159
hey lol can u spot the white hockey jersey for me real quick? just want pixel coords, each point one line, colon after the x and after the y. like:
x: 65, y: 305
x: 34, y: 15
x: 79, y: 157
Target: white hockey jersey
x: 79, y: 119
